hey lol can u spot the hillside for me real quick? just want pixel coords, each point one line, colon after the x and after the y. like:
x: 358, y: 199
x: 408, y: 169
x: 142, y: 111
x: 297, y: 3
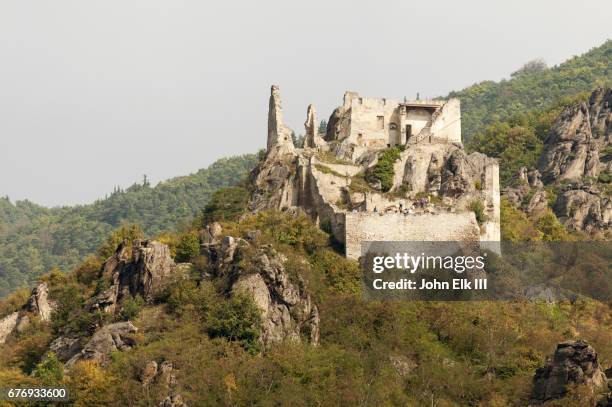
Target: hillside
x: 34, y: 239
x: 534, y: 86
x: 194, y: 334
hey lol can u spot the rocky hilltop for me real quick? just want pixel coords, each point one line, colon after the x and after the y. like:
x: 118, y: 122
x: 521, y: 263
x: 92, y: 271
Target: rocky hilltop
x: 383, y: 170
x: 574, y: 170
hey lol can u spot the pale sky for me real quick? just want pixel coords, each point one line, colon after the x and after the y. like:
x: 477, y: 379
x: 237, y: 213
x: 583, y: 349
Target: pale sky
x: 94, y: 94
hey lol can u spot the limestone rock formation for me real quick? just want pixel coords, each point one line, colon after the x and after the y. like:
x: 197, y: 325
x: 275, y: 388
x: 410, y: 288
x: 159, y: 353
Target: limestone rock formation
x: 279, y: 135
x: 149, y: 269
x: 211, y: 234
x: 65, y: 347
x: 39, y: 302
x: 313, y: 139
x: 574, y: 362
x: 108, y: 339
x: 583, y: 207
x: 163, y: 375
x: 7, y: 325
x: 287, y: 310
x: 577, y: 138
x: 570, y: 151
x: 576, y: 154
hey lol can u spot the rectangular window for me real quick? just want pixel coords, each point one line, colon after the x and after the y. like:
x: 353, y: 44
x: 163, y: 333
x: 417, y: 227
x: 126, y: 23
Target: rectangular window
x: 380, y: 122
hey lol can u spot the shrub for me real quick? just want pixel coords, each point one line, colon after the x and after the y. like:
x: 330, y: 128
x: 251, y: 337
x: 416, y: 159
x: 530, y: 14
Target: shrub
x: 90, y: 385
x: 515, y: 226
x: 49, y: 371
x: 188, y: 246
x: 88, y: 271
x: 477, y: 206
x: 604, y: 177
x: 186, y: 296
x: 128, y: 232
x: 551, y: 228
x: 341, y: 275
x: 383, y: 170
x: 237, y: 319
x: 131, y: 307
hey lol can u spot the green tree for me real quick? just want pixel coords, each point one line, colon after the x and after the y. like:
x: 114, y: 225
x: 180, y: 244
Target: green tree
x: 237, y: 319
x: 226, y: 204
x: 49, y: 371
x: 188, y: 246
x: 126, y: 232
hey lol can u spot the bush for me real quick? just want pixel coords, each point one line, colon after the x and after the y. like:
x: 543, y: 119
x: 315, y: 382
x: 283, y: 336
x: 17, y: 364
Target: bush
x: 88, y: 271
x: 186, y: 297
x: 131, y: 307
x: 551, y: 228
x: 90, y: 385
x: 188, y: 246
x: 383, y: 170
x: 477, y: 206
x: 237, y: 319
x: 515, y: 226
x: 49, y: 371
x: 128, y: 232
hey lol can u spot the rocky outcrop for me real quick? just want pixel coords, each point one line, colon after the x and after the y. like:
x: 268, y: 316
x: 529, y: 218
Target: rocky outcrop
x: 574, y: 363
x: 65, y: 347
x: 211, y: 234
x: 577, y: 139
x: 279, y: 135
x: 39, y: 302
x: 538, y: 204
x: 286, y: 308
x: 146, y: 273
x: 600, y: 111
x: 585, y: 208
x: 7, y: 325
x: 577, y: 149
x: 110, y: 338
x: 570, y: 151
x: 163, y: 375
x: 312, y: 140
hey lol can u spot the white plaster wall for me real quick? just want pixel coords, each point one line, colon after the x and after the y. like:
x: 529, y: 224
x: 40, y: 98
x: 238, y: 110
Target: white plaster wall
x: 369, y: 226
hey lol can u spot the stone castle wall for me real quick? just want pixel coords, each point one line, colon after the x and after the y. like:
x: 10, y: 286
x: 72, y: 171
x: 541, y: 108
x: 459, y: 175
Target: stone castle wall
x: 372, y: 226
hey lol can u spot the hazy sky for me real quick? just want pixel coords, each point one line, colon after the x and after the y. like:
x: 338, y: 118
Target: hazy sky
x: 95, y: 94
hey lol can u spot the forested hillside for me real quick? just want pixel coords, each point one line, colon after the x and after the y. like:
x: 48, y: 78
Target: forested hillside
x: 534, y: 86
x: 34, y: 239
x: 507, y: 119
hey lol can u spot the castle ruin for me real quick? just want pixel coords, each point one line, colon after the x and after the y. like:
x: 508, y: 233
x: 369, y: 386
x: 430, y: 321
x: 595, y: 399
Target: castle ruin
x: 436, y: 192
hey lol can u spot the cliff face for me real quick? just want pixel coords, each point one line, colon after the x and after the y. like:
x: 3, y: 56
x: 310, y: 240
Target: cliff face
x: 576, y: 164
x: 340, y: 172
x: 578, y: 139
